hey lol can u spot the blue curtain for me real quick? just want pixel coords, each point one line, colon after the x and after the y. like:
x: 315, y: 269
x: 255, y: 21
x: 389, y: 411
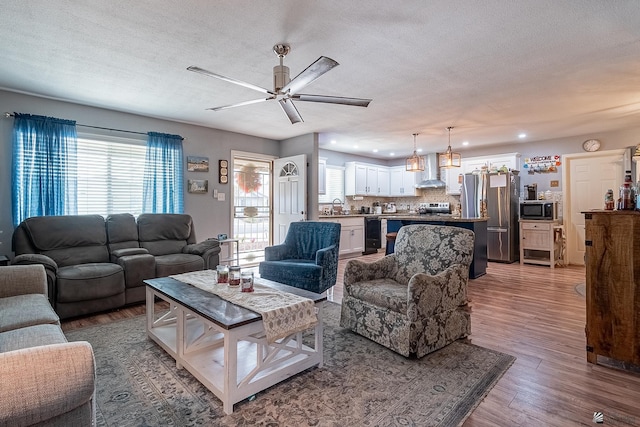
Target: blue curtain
x: 44, y: 167
x: 163, y: 190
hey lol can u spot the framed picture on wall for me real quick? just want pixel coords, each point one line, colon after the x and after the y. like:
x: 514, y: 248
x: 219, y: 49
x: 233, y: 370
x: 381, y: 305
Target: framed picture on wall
x: 197, y: 164
x: 198, y: 186
x: 223, y: 167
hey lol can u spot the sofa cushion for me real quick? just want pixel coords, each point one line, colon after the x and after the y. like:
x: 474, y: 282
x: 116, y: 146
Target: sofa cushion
x: 68, y: 240
x: 302, y: 269
x: 164, y: 234
x: 167, y: 265
x: 137, y: 268
x: 31, y: 336
x: 89, y: 282
x: 122, y: 232
x: 26, y: 310
x: 383, y: 293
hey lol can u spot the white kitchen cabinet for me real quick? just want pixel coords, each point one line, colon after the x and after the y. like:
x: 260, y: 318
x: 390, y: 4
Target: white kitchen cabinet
x: 351, y: 234
x: 383, y: 181
x: 510, y: 160
x: 372, y: 180
x: 322, y: 176
x: 361, y: 179
x: 402, y: 182
x: 452, y: 179
x: 472, y: 164
x: 352, y: 239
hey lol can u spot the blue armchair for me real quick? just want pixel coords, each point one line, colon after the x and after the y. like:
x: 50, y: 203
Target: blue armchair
x: 308, y: 258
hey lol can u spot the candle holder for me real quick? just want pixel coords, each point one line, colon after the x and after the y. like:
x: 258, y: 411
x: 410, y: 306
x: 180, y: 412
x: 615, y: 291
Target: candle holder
x: 246, y: 281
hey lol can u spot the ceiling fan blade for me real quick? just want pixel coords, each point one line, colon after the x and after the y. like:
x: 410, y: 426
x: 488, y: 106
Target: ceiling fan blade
x: 290, y: 110
x: 240, y: 104
x: 356, y: 102
x: 229, y: 79
x: 312, y: 72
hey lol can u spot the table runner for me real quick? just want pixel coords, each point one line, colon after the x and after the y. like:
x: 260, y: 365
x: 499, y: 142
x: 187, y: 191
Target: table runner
x: 282, y: 313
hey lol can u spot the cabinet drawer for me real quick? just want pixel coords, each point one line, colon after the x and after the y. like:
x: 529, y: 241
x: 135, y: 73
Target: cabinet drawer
x: 329, y: 220
x: 349, y: 222
x: 536, y: 226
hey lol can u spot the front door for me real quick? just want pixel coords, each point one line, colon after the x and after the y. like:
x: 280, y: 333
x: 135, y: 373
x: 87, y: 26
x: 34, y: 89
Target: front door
x: 251, y: 215
x: 289, y: 194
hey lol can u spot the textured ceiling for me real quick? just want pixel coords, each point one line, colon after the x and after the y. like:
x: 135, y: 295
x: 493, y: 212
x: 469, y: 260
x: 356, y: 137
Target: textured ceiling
x: 491, y: 69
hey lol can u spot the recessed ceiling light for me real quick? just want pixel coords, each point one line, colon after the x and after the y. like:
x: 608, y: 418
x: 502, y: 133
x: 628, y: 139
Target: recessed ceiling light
x: 465, y: 143
x: 333, y: 141
x: 419, y: 150
x: 355, y: 146
x: 522, y: 135
x: 392, y: 154
x: 375, y: 150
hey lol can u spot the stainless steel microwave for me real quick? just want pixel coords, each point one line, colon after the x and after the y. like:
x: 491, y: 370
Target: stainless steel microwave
x: 539, y: 209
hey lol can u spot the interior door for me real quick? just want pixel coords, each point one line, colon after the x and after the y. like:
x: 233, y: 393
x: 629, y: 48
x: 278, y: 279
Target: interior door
x: 289, y: 194
x: 590, y: 176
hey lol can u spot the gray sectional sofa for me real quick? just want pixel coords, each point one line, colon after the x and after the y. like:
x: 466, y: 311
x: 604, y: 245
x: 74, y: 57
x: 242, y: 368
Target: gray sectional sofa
x: 45, y: 379
x: 95, y: 264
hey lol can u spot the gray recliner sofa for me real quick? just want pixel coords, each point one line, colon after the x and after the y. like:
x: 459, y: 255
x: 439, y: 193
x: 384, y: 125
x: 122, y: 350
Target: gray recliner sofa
x: 73, y: 249
x: 171, y: 239
x: 95, y: 264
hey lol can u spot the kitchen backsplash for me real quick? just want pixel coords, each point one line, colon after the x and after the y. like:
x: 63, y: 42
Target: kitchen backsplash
x: 403, y: 204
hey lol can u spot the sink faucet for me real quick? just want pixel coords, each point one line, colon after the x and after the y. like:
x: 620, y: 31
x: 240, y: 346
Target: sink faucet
x: 333, y: 204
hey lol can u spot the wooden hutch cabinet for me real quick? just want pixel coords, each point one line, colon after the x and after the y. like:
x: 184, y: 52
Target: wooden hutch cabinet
x: 612, y: 242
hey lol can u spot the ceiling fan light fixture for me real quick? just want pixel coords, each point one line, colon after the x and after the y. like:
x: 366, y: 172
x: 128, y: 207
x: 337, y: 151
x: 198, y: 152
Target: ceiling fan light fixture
x: 285, y: 89
x: 415, y: 163
x: 449, y: 159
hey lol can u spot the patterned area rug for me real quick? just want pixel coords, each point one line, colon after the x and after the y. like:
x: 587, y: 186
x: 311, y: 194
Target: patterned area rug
x: 361, y: 384
x: 581, y: 289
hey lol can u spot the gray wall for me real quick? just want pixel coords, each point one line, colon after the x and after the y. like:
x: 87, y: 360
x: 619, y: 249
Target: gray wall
x: 569, y: 145
x: 210, y: 216
x: 306, y: 144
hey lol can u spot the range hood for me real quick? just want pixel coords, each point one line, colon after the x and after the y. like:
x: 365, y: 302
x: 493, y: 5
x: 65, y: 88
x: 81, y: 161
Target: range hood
x: 431, y: 175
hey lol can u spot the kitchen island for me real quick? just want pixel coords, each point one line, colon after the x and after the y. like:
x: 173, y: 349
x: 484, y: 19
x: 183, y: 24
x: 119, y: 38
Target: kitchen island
x: 477, y: 225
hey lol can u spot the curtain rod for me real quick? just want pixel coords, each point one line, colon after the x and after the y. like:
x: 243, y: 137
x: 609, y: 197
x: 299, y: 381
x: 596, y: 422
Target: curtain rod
x: 7, y: 115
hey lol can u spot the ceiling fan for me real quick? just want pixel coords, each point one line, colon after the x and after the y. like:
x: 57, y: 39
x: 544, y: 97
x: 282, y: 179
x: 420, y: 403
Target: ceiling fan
x: 285, y: 89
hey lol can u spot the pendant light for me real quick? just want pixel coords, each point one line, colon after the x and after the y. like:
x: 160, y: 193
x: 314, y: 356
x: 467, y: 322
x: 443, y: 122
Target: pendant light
x: 415, y: 163
x: 449, y: 159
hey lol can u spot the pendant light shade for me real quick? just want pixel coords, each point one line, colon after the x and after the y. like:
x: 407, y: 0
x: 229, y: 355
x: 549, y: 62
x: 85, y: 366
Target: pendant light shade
x: 415, y: 163
x: 449, y: 159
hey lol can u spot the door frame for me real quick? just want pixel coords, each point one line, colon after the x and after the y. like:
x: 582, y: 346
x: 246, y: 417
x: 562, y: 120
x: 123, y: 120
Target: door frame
x: 566, y: 179
x: 231, y: 192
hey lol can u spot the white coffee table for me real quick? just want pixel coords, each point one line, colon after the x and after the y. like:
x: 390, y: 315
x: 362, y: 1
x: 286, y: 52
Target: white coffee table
x: 224, y: 345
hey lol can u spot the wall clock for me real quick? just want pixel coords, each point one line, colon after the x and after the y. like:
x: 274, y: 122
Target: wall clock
x: 591, y: 145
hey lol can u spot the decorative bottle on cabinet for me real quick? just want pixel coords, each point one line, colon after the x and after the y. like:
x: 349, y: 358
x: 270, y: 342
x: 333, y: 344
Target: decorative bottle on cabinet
x: 613, y: 285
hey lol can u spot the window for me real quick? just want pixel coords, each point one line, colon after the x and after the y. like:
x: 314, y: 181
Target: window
x: 55, y: 172
x: 335, y: 185
x: 110, y: 175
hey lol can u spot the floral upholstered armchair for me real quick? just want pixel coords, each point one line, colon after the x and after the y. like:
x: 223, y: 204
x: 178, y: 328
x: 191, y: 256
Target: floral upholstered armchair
x: 308, y: 257
x: 415, y: 300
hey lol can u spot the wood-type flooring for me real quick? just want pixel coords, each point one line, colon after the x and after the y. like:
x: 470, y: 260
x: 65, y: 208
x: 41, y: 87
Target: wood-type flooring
x: 534, y: 313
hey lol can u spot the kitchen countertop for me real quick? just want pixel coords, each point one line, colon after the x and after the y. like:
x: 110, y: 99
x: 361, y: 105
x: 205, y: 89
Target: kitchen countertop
x: 417, y: 217
x: 408, y: 217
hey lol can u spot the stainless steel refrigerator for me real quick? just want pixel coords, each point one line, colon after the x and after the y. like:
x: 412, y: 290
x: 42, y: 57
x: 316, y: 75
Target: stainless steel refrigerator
x: 495, y: 196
